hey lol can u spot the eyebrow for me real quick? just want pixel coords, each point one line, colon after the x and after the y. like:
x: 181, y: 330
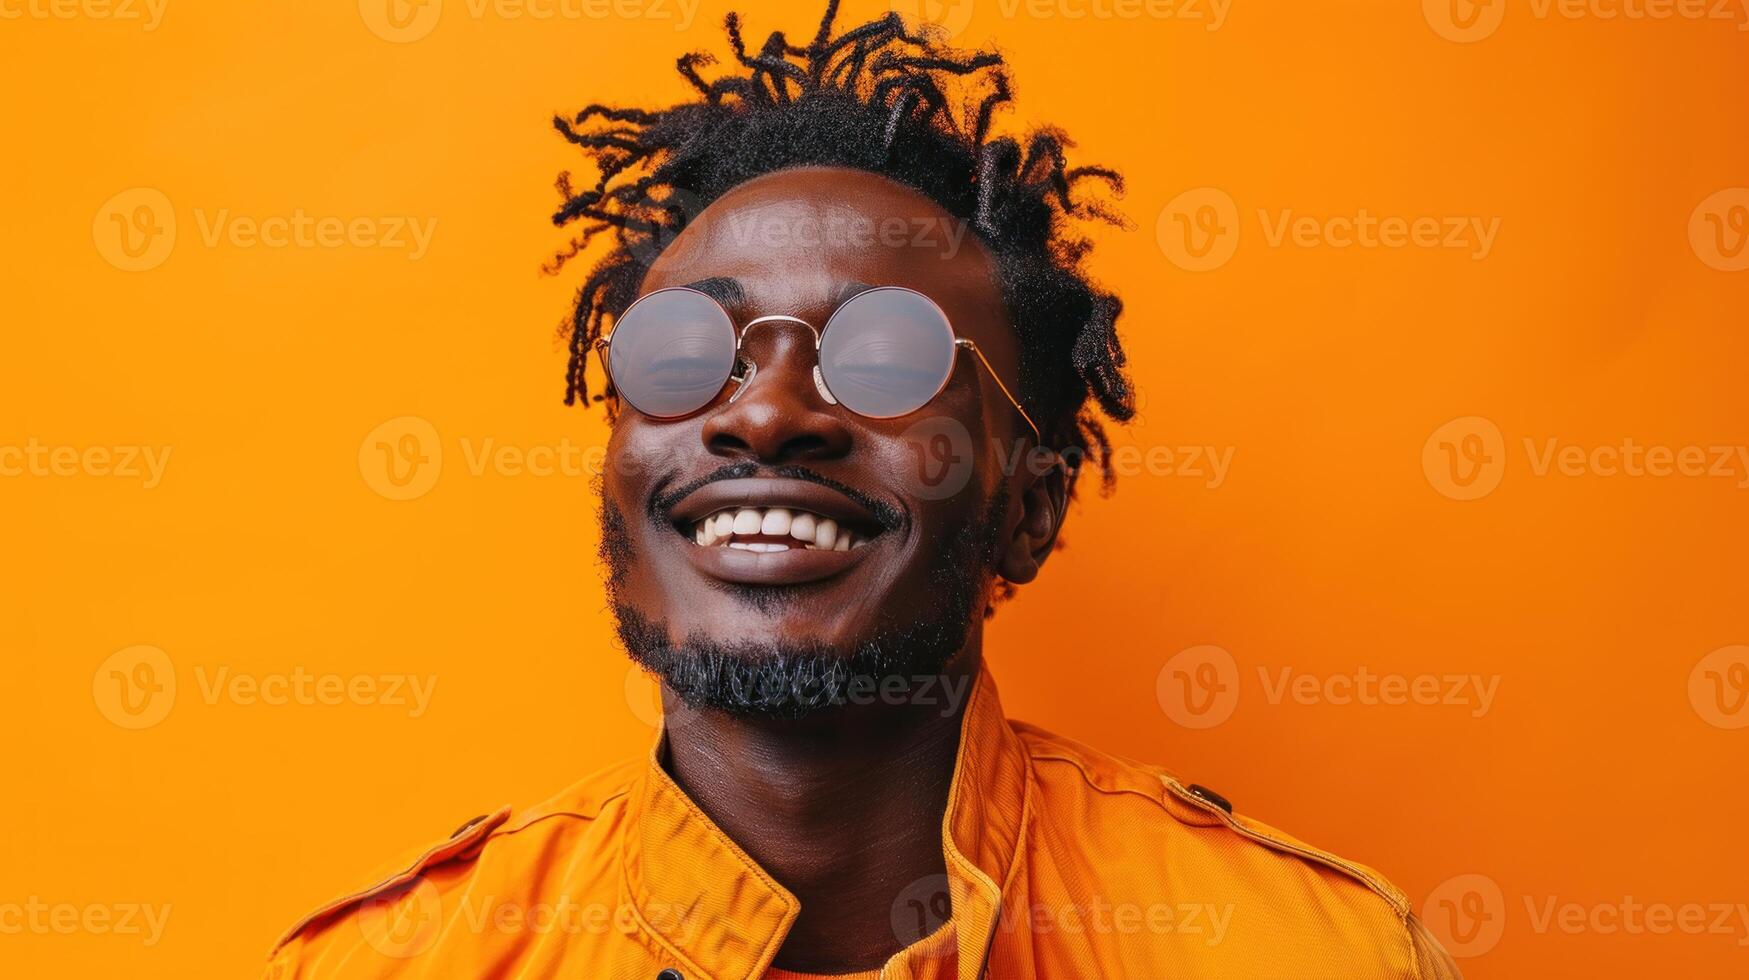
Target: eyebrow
x: 726, y: 290
x: 848, y: 290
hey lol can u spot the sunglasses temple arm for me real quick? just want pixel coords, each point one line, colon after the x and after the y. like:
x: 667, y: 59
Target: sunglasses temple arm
x: 600, y: 346
x: 969, y: 345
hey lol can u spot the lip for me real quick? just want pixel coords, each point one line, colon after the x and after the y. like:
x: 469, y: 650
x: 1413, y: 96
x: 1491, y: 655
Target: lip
x: 793, y: 567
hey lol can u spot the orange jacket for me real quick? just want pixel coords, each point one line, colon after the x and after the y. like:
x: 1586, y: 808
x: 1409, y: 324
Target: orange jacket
x: 1061, y: 862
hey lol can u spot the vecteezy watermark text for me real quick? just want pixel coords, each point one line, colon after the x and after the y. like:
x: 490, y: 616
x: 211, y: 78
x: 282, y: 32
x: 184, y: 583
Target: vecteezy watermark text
x: 137, y: 687
x: 38, y: 459
x: 36, y: 917
x: 148, y: 13
x: 1466, y: 458
x: 1200, y: 687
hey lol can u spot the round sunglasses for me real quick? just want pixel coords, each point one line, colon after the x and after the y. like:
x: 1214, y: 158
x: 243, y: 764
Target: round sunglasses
x: 885, y: 352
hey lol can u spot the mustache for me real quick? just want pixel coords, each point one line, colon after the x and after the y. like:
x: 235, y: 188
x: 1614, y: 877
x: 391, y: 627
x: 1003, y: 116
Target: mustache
x: 661, y: 502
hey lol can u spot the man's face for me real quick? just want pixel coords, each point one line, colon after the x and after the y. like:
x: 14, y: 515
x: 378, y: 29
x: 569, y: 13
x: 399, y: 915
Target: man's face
x: 925, y: 497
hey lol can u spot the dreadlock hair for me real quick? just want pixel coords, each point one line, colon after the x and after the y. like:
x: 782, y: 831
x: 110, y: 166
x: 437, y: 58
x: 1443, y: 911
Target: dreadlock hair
x: 874, y: 97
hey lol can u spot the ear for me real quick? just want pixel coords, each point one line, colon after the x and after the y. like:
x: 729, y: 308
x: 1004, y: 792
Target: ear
x: 1044, y: 500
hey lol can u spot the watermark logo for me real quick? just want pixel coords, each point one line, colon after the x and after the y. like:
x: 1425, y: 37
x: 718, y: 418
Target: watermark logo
x: 405, y: 21
x: 951, y: 17
x: 135, y: 230
x: 1466, y: 913
x: 1199, y: 229
x: 402, y: 458
x: 669, y: 229
x: 1365, y: 686
x: 403, y: 922
x: 1199, y: 687
x: 39, y: 459
x: 35, y: 917
x: 1470, y: 233
x: 1629, y: 916
x: 1210, y: 13
x: 1718, y: 687
x: 299, y: 229
x: 948, y: 17
x: 408, y: 919
x: 1464, y: 21
x: 400, y: 21
x: 148, y: 13
x: 932, y: 234
x: 1464, y: 459
x: 941, y: 457
x: 644, y: 697
x: 1718, y: 230
x: 1204, y: 922
x: 303, y: 688
x: 135, y: 687
x: 920, y: 909
x: 1468, y: 21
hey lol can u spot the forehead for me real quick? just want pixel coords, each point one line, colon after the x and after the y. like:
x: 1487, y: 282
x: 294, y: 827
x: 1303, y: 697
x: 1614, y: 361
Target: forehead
x: 795, y: 238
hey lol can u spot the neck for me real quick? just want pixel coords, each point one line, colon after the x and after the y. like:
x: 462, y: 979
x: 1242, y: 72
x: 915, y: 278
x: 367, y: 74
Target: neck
x: 844, y: 809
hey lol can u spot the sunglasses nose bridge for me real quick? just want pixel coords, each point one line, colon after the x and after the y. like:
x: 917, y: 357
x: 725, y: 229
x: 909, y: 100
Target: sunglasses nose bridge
x: 744, y: 377
x: 741, y: 341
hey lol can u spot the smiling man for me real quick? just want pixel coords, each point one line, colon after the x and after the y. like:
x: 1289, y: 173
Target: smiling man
x: 855, y: 369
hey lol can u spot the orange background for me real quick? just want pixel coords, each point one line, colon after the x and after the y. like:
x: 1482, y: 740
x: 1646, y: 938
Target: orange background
x: 1590, y: 599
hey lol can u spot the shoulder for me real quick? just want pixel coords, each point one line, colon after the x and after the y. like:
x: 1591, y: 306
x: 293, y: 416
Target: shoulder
x: 1154, y: 827
x: 509, y: 852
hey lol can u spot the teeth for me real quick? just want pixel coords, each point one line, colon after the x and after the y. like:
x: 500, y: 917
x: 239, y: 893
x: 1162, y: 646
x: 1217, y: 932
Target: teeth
x: 810, y: 531
x: 825, y: 533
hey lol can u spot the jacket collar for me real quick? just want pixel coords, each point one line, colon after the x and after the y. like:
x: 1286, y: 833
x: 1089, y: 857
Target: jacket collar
x: 707, y: 905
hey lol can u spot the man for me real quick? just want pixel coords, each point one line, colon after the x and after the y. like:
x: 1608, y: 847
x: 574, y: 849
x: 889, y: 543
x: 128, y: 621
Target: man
x: 853, y: 364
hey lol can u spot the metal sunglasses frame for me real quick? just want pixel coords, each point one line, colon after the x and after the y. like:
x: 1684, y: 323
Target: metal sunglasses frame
x: 605, y: 342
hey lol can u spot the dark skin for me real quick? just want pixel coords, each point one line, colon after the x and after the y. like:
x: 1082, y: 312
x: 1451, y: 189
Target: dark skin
x: 844, y: 807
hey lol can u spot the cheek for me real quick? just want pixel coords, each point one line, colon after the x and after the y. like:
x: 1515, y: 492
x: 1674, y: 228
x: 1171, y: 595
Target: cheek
x: 638, y: 453
x: 938, y: 458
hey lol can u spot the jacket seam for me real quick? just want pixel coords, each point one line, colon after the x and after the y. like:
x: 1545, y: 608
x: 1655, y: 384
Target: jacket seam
x: 1302, y: 852
x: 505, y: 831
x: 416, y: 869
x: 1088, y: 779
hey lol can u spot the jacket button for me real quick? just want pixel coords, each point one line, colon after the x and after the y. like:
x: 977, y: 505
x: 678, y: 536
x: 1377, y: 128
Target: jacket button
x: 1210, y: 796
x: 670, y: 975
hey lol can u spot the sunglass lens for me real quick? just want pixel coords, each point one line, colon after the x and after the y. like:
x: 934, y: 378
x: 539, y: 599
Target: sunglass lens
x: 672, y: 352
x: 886, y: 352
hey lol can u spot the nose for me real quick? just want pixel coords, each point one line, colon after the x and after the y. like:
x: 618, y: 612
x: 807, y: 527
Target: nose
x: 778, y: 416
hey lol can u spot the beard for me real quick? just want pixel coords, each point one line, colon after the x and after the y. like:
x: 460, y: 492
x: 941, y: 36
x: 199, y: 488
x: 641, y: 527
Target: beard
x: 779, y: 679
